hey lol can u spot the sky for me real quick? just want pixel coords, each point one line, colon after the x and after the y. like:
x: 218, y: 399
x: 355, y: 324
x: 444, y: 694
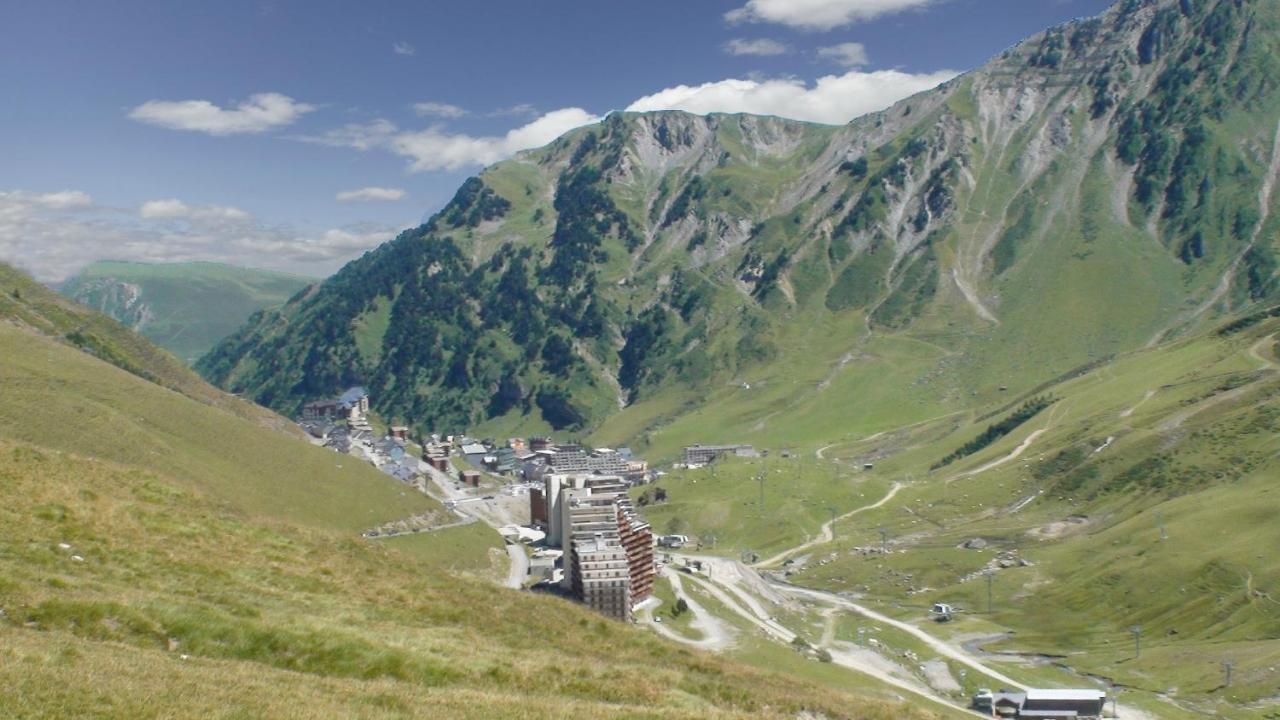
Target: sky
x: 296, y: 135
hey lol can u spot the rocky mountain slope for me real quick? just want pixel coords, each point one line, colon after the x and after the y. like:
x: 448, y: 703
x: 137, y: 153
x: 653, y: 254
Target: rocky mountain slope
x: 665, y: 277
x: 185, y: 308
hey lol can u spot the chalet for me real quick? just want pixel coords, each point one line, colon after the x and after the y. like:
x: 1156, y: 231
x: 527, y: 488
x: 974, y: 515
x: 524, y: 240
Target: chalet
x: 475, y: 453
x: 504, y: 461
x: 405, y: 470
x: 399, y: 432
x: 470, y: 477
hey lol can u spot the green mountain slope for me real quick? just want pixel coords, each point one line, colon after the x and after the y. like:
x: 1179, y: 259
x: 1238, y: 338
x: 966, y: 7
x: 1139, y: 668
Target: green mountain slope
x: 185, y: 308
x: 30, y: 305
x: 162, y: 557
x: 1143, y: 495
x: 663, y: 278
x: 148, y: 411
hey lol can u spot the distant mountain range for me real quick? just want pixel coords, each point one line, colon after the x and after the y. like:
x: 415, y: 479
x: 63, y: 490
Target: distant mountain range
x: 186, y: 308
x: 664, y: 277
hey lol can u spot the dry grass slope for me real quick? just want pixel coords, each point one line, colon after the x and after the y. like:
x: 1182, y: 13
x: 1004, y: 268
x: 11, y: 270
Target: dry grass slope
x: 280, y: 621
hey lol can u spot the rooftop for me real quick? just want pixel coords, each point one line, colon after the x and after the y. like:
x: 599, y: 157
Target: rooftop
x: 1065, y: 694
x: 353, y: 394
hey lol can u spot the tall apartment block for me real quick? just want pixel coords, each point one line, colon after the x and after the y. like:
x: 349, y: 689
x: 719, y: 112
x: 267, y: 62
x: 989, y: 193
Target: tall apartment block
x: 608, y: 547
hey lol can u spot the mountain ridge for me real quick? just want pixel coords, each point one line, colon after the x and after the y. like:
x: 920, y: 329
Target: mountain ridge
x: 583, y: 286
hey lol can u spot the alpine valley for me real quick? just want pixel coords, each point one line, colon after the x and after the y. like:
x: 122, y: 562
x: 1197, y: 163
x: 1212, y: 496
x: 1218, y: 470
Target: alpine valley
x: 185, y: 308
x: 984, y: 389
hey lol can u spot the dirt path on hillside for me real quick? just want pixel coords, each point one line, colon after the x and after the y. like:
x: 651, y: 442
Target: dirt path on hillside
x: 1130, y: 411
x: 825, y: 535
x: 722, y: 581
x: 1015, y: 454
x: 1213, y: 401
x: 1255, y: 352
x: 744, y: 592
x: 756, y: 615
x: 1268, y: 369
x: 939, y: 646
x: 821, y: 453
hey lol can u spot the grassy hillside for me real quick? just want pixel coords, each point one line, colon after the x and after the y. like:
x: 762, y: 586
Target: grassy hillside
x: 131, y: 592
x: 201, y: 610
x: 30, y: 305
x: 62, y: 399
x: 1143, y: 495
x: 76, y: 381
x: 186, y: 308
x: 720, y: 504
x: 164, y: 557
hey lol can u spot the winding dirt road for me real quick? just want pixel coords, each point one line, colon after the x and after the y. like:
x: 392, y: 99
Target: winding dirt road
x: 825, y: 535
x: 716, y: 635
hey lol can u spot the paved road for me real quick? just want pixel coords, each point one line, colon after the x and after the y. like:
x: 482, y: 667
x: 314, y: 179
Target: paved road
x: 519, y: 566
x: 496, y: 514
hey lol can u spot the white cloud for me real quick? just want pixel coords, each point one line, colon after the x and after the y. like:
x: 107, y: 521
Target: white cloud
x: 371, y: 194
x: 819, y: 14
x: 761, y: 47
x: 850, y: 54
x: 174, y: 209
x: 435, y: 149
x: 403, y: 48
x: 52, y: 236
x: 438, y: 109
x: 360, y: 136
x: 522, y: 109
x: 259, y: 113
x: 65, y: 200
x: 545, y: 129
x: 833, y: 99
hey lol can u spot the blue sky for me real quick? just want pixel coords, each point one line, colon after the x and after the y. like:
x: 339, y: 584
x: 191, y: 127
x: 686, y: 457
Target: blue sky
x: 296, y: 135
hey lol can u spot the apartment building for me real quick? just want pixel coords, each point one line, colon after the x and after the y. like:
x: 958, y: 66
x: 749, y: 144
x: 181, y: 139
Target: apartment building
x: 608, y: 547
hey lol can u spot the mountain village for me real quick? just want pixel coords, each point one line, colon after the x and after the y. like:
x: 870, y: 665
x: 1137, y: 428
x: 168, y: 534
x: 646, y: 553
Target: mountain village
x: 571, y: 529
